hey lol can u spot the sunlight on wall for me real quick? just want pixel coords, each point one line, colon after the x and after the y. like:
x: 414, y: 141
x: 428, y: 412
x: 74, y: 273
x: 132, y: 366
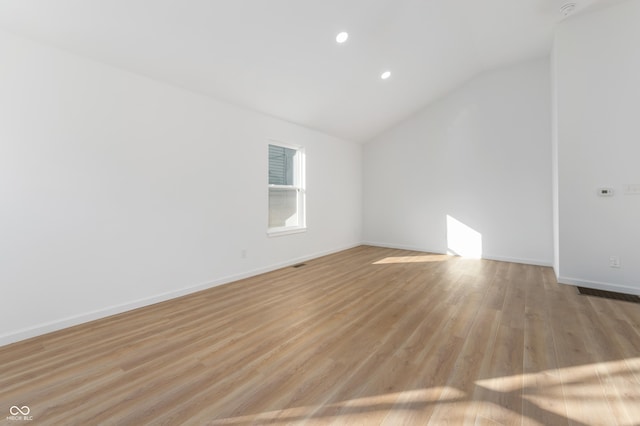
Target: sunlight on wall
x: 463, y: 240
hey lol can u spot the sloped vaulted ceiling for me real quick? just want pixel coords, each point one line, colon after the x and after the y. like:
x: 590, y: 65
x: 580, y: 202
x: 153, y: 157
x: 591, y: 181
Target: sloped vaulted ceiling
x: 280, y: 56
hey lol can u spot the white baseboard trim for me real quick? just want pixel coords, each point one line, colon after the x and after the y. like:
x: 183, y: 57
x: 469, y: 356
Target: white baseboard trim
x: 535, y: 262
x: 618, y: 288
x: 401, y: 247
x: 51, y: 326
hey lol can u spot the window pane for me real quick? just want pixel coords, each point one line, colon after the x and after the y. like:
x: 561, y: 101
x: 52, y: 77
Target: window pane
x: 283, y: 207
x: 281, y: 170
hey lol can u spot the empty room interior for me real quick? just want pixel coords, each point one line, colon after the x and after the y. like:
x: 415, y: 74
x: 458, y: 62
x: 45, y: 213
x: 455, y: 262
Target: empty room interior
x: 398, y: 212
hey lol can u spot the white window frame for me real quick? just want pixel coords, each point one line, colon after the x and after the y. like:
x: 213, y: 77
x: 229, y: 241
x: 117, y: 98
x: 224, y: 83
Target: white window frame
x: 299, y: 185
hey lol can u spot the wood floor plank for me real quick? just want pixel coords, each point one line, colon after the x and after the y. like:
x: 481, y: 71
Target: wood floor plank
x: 366, y: 336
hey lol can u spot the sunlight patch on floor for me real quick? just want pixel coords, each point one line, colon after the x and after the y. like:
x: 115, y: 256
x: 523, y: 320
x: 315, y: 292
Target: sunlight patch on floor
x: 355, y: 410
x: 581, y: 387
x: 537, y: 395
x: 413, y: 259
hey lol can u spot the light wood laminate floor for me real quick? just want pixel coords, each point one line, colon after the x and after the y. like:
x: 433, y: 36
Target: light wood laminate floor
x: 365, y: 336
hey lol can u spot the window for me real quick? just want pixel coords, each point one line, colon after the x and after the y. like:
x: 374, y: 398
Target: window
x: 286, y: 189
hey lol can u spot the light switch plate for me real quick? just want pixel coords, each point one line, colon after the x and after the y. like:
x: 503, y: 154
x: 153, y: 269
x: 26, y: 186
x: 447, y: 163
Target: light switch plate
x: 632, y: 189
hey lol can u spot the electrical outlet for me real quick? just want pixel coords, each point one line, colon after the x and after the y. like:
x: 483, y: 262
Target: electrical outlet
x: 605, y: 192
x: 614, y: 262
x: 243, y: 253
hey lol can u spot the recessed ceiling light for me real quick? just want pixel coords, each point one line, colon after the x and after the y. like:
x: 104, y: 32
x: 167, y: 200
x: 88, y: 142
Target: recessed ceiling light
x: 385, y: 75
x: 342, y: 37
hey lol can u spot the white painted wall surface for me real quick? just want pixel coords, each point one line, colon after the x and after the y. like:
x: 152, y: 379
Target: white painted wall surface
x: 598, y: 81
x: 117, y: 191
x: 554, y: 162
x: 482, y: 156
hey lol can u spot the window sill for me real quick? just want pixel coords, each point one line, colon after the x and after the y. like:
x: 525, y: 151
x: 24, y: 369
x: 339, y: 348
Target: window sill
x: 277, y: 232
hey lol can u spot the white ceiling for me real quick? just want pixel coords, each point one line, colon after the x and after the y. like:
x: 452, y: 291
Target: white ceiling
x: 280, y: 56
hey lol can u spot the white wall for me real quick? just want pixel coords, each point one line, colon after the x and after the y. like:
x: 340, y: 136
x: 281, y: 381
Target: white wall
x: 481, y: 155
x: 554, y: 161
x: 117, y: 191
x: 598, y: 79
